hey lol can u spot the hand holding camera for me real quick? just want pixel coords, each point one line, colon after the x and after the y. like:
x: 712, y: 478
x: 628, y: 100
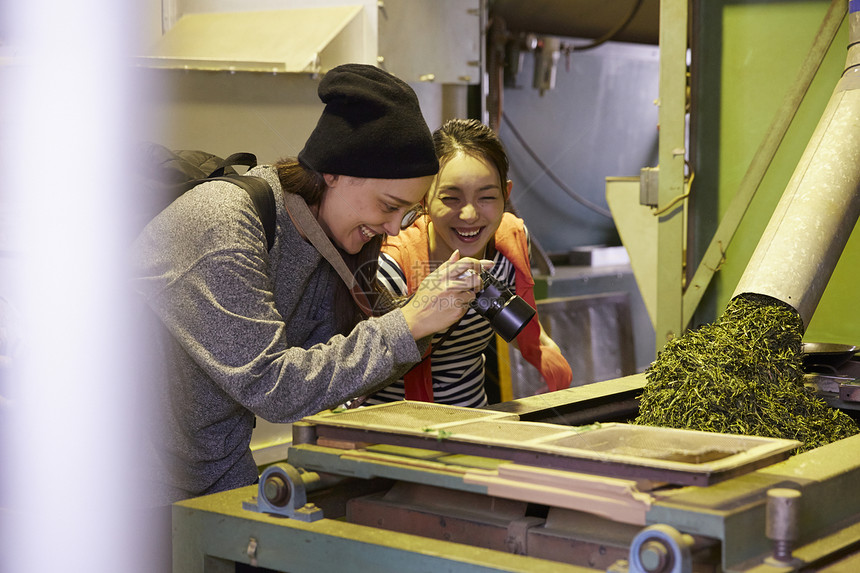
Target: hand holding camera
x: 443, y: 297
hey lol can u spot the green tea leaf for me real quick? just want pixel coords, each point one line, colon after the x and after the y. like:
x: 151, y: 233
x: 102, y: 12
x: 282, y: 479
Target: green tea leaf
x: 742, y: 374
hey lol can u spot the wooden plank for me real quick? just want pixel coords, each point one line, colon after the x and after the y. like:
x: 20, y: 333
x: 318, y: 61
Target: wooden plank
x: 618, y: 507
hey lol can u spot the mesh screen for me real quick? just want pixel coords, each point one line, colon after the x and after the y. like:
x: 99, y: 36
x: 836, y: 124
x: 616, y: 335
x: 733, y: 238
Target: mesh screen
x: 409, y: 415
x: 512, y: 432
x: 622, y: 443
x: 657, y: 443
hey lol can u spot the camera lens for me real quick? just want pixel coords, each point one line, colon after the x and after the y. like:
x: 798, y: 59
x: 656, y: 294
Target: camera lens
x: 507, y: 313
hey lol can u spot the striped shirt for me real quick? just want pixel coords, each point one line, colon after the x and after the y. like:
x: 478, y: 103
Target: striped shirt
x: 458, y: 364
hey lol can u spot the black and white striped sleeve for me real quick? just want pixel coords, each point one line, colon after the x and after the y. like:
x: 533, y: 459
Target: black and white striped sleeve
x: 391, y: 275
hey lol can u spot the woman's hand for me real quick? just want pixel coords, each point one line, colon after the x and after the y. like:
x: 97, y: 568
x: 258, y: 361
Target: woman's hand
x: 443, y: 297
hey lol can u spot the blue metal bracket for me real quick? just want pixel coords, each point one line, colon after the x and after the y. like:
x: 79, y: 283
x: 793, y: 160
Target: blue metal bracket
x: 282, y: 492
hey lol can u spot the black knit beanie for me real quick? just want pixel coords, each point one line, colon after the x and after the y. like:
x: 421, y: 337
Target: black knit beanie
x: 371, y: 127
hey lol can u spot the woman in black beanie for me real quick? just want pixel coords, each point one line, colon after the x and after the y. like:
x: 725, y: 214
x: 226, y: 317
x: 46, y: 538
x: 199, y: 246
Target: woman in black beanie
x: 277, y: 333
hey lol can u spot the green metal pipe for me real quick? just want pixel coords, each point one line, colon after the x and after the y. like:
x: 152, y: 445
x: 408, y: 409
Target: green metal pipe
x: 813, y: 220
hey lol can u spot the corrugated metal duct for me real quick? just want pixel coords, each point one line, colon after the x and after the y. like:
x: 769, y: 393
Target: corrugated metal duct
x: 813, y: 220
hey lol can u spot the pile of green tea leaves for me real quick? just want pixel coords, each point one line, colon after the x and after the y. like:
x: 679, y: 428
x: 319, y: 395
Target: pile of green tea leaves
x: 742, y: 374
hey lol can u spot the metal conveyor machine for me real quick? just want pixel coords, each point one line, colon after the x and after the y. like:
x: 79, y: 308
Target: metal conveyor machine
x: 411, y: 486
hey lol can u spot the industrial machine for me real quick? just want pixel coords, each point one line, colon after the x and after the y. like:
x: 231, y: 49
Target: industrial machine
x: 536, y: 484
x: 563, y: 482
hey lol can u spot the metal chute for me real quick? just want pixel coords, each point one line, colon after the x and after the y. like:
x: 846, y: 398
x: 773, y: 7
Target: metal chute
x: 813, y: 220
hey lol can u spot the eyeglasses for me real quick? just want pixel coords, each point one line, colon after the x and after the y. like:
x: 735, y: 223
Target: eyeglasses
x: 411, y: 216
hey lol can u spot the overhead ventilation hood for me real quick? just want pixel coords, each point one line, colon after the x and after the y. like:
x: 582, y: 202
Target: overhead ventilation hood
x: 301, y: 40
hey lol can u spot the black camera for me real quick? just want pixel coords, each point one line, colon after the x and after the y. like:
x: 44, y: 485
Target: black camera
x: 507, y: 313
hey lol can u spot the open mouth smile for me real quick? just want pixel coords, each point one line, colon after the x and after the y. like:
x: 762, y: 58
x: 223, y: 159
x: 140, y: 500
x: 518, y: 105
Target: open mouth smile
x: 468, y: 235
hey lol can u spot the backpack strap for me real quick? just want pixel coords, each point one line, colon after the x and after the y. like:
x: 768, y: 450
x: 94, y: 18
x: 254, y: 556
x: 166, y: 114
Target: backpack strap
x: 308, y: 226
x: 262, y: 196
x: 242, y: 158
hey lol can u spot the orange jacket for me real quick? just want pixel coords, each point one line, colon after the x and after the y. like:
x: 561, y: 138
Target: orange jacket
x: 410, y: 249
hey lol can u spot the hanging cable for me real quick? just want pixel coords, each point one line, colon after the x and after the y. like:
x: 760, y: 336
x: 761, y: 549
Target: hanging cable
x: 573, y: 194
x: 611, y: 33
x: 686, y: 194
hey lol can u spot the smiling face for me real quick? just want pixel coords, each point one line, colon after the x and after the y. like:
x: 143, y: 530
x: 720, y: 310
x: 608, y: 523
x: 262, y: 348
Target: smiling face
x: 465, y: 205
x: 353, y: 210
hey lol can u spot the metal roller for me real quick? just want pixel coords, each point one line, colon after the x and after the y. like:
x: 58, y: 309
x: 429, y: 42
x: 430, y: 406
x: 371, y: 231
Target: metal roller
x: 661, y: 549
